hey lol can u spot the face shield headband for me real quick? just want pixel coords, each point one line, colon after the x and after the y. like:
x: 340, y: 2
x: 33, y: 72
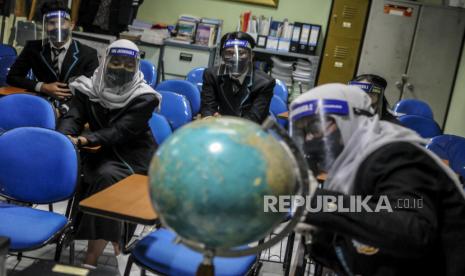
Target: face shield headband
x: 375, y: 92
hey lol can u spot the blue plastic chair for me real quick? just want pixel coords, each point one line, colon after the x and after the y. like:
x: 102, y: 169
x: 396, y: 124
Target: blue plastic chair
x: 37, y: 166
x: 451, y: 148
x: 158, y: 253
x: 185, y: 88
x: 7, y: 58
x: 175, y: 108
x: 414, y: 107
x: 277, y: 106
x: 160, y: 128
x: 149, y: 71
x: 195, y: 76
x: 21, y: 110
x: 280, y: 90
x: 425, y: 127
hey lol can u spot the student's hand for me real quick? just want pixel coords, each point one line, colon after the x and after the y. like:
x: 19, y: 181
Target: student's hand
x: 57, y: 90
x: 79, y: 141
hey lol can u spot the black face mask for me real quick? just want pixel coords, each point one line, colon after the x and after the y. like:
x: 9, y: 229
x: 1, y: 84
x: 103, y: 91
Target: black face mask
x: 322, y: 152
x: 118, y: 77
x: 54, y: 35
x: 237, y: 68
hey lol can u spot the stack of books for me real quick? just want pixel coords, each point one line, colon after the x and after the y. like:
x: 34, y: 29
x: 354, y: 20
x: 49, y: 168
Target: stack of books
x: 282, y: 70
x: 207, y: 32
x: 186, y: 28
x: 201, y: 31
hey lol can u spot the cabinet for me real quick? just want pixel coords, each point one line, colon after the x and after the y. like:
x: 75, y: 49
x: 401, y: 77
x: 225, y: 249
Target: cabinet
x: 416, y: 48
x: 344, y: 39
x: 178, y: 59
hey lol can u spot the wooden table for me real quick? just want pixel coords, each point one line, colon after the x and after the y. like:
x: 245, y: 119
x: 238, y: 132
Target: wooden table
x: 128, y: 200
x: 9, y: 90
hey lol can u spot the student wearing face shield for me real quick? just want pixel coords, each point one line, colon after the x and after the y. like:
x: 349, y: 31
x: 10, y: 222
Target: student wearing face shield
x: 375, y: 86
x: 235, y: 88
x: 54, y: 60
x: 419, y: 227
x: 117, y: 104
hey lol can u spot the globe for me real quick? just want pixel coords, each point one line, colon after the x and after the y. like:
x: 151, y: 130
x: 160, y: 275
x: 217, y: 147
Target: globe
x: 209, y: 178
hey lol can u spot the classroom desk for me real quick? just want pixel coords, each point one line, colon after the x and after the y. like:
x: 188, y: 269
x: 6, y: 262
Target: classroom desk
x: 128, y: 200
x: 9, y: 90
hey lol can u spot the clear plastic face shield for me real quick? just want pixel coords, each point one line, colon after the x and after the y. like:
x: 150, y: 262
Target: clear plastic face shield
x: 236, y: 58
x: 121, y: 65
x: 57, y: 26
x: 375, y: 92
x: 314, y: 129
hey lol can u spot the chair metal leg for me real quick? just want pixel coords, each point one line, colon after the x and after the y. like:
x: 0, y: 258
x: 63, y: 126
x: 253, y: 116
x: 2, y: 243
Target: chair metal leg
x: 58, y: 251
x: 127, y: 270
x: 50, y: 207
x: 288, y: 254
x: 71, y: 252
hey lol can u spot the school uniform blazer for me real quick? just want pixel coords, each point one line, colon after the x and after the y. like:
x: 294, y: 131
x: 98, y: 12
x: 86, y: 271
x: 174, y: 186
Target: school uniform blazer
x: 79, y: 60
x: 251, y: 102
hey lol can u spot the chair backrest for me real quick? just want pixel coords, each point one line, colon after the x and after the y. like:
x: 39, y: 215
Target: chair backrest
x: 24, y: 110
x: 176, y: 109
x: 426, y: 127
x: 451, y: 148
x: 277, y: 106
x: 280, y: 90
x: 185, y: 88
x: 149, y: 71
x: 195, y: 76
x: 414, y: 107
x: 37, y: 165
x: 160, y: 127
x: 7, y: 58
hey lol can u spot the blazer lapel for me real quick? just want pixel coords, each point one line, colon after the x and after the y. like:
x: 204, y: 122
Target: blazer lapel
x: 69, y: 61
x: 47, y: 59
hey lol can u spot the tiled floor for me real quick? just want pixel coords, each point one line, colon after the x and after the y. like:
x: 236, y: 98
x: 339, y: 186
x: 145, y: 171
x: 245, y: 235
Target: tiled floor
x: 108, y: 261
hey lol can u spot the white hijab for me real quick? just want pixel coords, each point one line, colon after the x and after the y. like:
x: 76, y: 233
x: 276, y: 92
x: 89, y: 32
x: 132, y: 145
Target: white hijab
x: 115, y: 97
x: 362, y: 136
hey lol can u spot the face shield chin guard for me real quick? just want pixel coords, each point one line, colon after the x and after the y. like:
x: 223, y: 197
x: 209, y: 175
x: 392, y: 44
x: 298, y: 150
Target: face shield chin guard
x: 315, y: 130
x: 375, y: 92
x: 236, y: 58
x: 56, y: 26
x: 120, y: 67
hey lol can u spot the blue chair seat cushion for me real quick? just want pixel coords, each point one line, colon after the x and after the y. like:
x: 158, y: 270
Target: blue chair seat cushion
x: 28, y: 228
x: 159, y: 252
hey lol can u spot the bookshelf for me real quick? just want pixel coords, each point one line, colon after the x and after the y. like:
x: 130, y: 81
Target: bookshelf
x: 284, y: 54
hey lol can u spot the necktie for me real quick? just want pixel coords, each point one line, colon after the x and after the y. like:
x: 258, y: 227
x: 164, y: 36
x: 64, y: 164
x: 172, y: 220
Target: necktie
x: 56, y: 53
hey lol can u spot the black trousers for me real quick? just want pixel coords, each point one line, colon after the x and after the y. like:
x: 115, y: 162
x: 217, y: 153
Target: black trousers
x: 100, y: 172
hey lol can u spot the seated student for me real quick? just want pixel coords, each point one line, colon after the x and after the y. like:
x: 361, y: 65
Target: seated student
x: 53, y: 61
x: 375, y: 86
x: 364, y: 156
x: 117, y: 104
x: 235, y: 88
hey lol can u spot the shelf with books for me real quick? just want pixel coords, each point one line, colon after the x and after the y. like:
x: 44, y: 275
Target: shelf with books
x: 283, y: 53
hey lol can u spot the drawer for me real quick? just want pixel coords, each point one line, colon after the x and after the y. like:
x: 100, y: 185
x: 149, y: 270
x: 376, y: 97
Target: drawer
x: 179, y: 61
